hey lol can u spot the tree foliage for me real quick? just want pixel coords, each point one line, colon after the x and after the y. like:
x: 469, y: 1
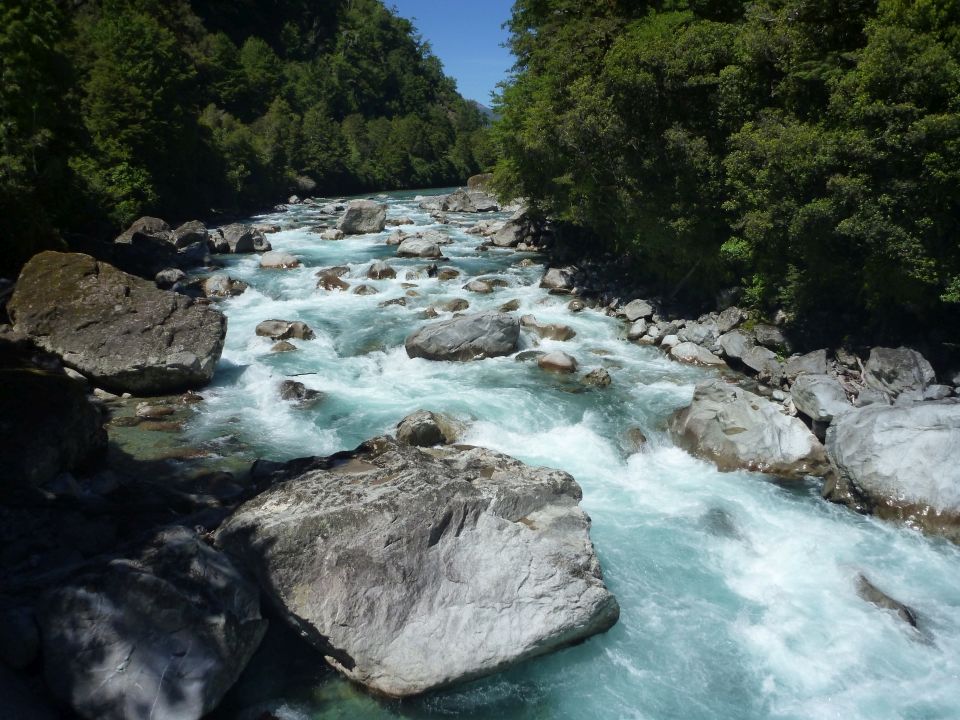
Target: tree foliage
x: 111, y: 109
x: 806, y: 149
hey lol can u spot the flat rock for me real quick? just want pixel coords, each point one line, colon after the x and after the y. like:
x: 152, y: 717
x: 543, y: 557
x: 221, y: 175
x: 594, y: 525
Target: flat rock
x: 426, y: 567
x: 470, y: 337
x: 637, y: 310
x: 277, y: 260
x: 739, y: 430
x: 161, y: 635
x: 118, y: 330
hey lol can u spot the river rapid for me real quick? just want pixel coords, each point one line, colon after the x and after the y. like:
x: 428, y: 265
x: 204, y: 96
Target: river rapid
x: 737, y: 594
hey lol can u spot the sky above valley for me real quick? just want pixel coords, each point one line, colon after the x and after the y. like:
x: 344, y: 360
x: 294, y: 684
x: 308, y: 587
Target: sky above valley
x: 467, y: 36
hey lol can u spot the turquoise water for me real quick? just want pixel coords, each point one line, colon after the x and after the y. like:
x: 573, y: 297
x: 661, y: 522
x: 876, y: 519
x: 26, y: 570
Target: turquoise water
x: 737, y: 593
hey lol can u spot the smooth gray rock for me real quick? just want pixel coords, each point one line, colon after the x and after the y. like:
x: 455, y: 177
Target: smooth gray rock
x: 813, y: 363
x: 637, y: 330
x: 937, y: 392
x: 426, y: 567
x: 902, y: 461
x: 894, y: 371
x: 159, y: 635
x: 735, y: 344
x: 332, y: 234
x: 240, y: 238
x: 637, y: 310
x: 468, y: 201
x: 479, y: 286
x: 819, y: 397
x: 693, y: 354
x: 558, y: 362
x: 515, y: 230
x: 730, y: 318
x: 739, y: 430
x: 703, y: 333
x: 426, y: 429
x: 471, y: 337
x: 875, y: 596
x: 557, y: 280
x: 118, y: 330
x: 418, y: 247
x: 362, y: 217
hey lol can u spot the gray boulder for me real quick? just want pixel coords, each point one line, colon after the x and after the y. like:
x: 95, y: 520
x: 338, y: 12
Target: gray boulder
x: 819, y: 397
x: 739, y: 430
x: 284, y: 330
x: 149, y: 226
x: 813, y: 363
x: 362, y: 217
x: 426, y: 567
x: 693, y: 354
x: 278, y: 260
x: 770, y: 336
x: 637, y: 310
x: 240, y: 238
x: 190, y: 233
x: 223, y: 286
x: 470, y: 337
x: 468, y: 201
x: 558, y: 280
x: 734, y: 344
x: 703, y: 333
x: 419, y: 247
x: 558, y: 362
x: 898, y: 371
x: 160, y: 635
x: 730, y: 318
x: 426, y: 429
x: 515, y: 230
x: 764, y: 363
x: 900, y: 462
x: 118, y: 330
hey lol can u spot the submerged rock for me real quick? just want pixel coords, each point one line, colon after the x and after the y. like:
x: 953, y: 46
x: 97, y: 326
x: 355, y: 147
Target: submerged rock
x: 118, y: 330
x: 470, y: 337
x: 873, y: 595
x: 739, y: 430
x: 362, y: 217
x: 426, y: 567
x: 161, y: 635
x: 557, y: 362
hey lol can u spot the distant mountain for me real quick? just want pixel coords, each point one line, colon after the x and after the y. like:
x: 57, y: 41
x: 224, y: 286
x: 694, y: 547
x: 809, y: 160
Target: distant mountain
x: 487, y: 112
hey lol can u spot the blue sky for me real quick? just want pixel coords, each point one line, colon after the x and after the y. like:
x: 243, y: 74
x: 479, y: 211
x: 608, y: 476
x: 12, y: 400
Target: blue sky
x: 466, y: 36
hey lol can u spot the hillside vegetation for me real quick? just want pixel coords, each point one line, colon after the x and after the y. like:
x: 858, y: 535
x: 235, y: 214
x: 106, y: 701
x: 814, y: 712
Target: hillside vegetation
x: 111, y: 109
x: 806, y: 150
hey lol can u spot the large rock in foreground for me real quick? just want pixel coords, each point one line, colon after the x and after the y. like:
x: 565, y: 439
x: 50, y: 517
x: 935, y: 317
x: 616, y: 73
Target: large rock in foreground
x: 425, y: 567
x: 739, y: 430
x: 363, y: 216
x: 161, y: 635
x: 120, y: 331
x: 900, y: 462
x: 471, y: 337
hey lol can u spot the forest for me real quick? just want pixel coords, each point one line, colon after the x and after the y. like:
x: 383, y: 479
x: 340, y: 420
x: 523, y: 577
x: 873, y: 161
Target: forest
x: 113, y: 109
x: 806, y: 151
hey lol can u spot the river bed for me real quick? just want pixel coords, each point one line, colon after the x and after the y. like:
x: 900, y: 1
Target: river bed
x: 737, y: 594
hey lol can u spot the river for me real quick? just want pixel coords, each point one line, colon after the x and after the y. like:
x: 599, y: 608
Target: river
x: 737, y: 593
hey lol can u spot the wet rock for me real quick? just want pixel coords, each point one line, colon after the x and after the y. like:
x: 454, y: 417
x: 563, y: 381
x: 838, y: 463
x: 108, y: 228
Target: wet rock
x: 277, y: 260
x: 634, y: 440
x: 597, y: 378
x: 637, y: 310
x: 554, y: 331
x: 189, y: 233
x: 166, y: 279
x: 739, y: 430
x: 898, y: 371
x: 427, y: 429
x: 363, y: 217
x: 637, y: 330
x: 558, y: 362
x: 332, y: 282
x: 154, y: 412
x: 365, y: 290
x: 558, y: 280
x: 332, y: 234
x: 283, y: 346
x: 576, y: 306
x: 293, y: 391
x: 118, y: 330
x: 380, y: 270
x: 418, y: 248
x: 452, y: 306
x: 478, y: 561
x: 160, y: 635
x: 448, y: 274
x: 470, y: 337
x: 510, y: 306
x: 223, y: 286
x: 401, y: 302
x: 693, y: 354
x: 900, y: 462
x: 240, y: 238
x: 873, y: 595
x: 285, y: 330
x: 479, y: 286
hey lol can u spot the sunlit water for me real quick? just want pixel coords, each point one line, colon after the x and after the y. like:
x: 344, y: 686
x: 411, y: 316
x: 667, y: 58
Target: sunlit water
x: 737, y: 594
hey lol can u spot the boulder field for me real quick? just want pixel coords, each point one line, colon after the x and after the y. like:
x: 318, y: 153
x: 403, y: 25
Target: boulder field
x: 478, y: 562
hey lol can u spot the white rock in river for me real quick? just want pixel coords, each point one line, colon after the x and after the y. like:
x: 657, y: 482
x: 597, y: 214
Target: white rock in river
x: 470, y: 337
x: 414, y: 569
x: 737, y: 429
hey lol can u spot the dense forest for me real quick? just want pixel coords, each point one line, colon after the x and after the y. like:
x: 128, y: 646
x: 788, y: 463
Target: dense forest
x: 806, y: 150
x: 111, y: 109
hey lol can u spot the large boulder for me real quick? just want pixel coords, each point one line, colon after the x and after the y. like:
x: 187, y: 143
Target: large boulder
x: 470, y: 337
x: 47, y: 426
x: 637, y: 310
x: 159, y: 635
x: 426, y: 429
x: 118, y: 330
x: 737, y: 429
x: 419, y: 247
x: 819, y: 397
x: 900, y: 462
x: 426, y: 567
x: 898, y: 371
x: 189, y: 233
x: 149, y: 226
x: 558, y: 280
x: 362, y: 217
x: 468, y: 201
x: 693, y: 354
x: 240, y: 238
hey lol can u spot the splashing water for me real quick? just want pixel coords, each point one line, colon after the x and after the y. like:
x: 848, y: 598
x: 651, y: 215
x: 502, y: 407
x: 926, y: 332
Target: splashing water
x: 737, y: 594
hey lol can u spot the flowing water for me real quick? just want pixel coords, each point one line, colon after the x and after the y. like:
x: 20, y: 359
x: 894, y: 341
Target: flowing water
x: 737, y: 593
